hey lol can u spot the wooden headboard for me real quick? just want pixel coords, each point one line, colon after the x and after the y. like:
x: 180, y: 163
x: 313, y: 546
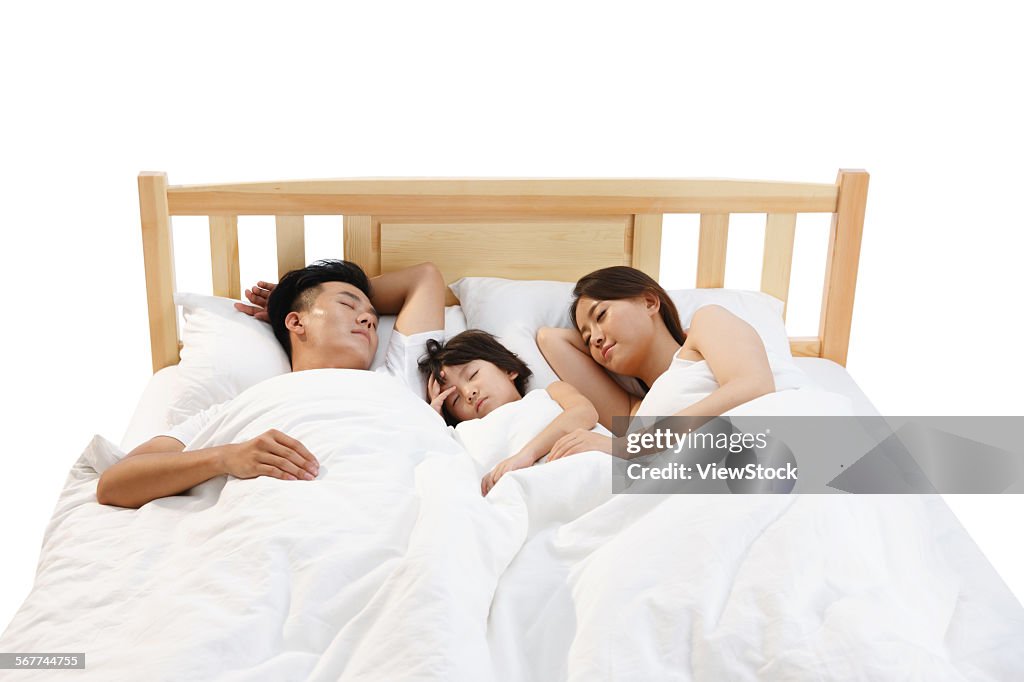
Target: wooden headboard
x: 553, y: 229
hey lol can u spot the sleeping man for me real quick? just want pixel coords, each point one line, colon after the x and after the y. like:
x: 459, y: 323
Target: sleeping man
x: 325, y: 316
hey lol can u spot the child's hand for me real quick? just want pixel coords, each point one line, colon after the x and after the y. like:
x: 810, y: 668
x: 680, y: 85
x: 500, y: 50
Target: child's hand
x: 435, y: 395
x: 517, y: 461
x: 580, y: 440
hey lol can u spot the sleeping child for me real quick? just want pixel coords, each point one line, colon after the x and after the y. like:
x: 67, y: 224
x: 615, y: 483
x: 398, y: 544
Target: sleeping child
x: 472, y: 375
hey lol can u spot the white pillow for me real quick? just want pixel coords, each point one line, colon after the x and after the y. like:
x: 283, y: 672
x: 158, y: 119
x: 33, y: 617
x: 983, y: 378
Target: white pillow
x: 514, y: 310
x: 225, y: 352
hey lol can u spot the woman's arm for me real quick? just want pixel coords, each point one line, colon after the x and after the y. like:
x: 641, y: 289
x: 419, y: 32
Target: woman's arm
x: 565, y: 352
x: 577, y: 414
x: 736, y: 357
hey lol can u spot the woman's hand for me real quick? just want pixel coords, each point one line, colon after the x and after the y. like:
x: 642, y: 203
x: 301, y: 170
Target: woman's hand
x: 258, y: 296
x: 516, y: 461
x: 435, y: 395
x: 578, y: 441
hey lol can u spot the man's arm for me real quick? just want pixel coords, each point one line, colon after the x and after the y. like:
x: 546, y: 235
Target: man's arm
x: 160, y: 467
x: 157, y: 468
x: 416, y: 294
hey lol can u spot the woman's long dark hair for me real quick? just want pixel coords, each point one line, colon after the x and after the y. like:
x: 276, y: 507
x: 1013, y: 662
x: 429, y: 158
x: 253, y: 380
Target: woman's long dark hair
x: 619, y: 282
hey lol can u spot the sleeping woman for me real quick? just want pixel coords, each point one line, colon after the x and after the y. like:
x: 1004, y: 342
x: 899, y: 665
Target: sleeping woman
x: 472, y: 375
x: 626, y: 324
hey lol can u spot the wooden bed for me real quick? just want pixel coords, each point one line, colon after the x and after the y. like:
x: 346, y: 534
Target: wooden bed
x: 553, y: 229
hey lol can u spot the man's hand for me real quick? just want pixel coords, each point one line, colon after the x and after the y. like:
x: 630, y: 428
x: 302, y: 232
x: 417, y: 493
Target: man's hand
x: 270, y: 454
x: 435, y: 395
x: 258, y: 296
x: 516, y: 461
x: 578, y: 441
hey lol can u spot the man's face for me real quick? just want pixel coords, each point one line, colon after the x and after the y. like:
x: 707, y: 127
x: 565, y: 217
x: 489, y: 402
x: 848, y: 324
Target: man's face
x: 339, y: 328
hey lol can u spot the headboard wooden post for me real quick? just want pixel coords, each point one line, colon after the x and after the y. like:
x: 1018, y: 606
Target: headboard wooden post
x: 841, y: 265
x: 158, y: 254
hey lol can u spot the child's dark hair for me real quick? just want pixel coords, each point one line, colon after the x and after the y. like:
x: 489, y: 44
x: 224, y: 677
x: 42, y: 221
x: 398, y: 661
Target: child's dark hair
x: 298, y: 289
x: 472, y: 344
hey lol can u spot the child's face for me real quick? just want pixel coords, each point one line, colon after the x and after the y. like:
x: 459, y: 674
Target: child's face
x: 480, y: 386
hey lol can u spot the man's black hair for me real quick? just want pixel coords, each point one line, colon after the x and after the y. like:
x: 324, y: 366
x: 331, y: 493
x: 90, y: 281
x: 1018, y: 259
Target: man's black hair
x: 298, y: 289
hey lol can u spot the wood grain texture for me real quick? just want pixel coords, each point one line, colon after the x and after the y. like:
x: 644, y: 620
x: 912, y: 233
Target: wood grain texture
x: 362, y: 243
x: 291, y: 243
x: 647, y: 243
x: 518, y: 228
x: 535, y: 197
x: 805, y: 346
x: 158, y: 257
x: 224, y: 256
x: 551, y: 249
x: 779, y: 235
x: 841, y: 266
x: 714, y: 239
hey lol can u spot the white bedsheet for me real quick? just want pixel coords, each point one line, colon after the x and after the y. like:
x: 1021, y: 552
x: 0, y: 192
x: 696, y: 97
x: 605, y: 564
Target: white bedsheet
x: 391, y: 566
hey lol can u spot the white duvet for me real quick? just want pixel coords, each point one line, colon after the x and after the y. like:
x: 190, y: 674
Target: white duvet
x: 391, y: 566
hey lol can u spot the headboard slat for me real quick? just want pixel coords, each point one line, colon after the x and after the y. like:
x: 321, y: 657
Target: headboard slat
x: 779, y: 235
x: 224, y: 256
x: 714, y: 238
x: 360, y: 245
x: 291, y: 243
x: 647, y: 243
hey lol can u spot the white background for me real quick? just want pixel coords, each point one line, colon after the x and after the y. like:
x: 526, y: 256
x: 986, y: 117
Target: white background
x: 924, y: 97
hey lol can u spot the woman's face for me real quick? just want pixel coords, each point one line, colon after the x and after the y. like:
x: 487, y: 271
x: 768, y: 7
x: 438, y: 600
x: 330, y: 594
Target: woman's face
x: 617, y: 332
x: 480, y: 387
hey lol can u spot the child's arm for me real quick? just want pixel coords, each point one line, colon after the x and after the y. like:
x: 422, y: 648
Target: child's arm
x: 577, y: 413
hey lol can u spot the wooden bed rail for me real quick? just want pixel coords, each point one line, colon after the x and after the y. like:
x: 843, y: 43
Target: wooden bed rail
x: 563, y: 228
